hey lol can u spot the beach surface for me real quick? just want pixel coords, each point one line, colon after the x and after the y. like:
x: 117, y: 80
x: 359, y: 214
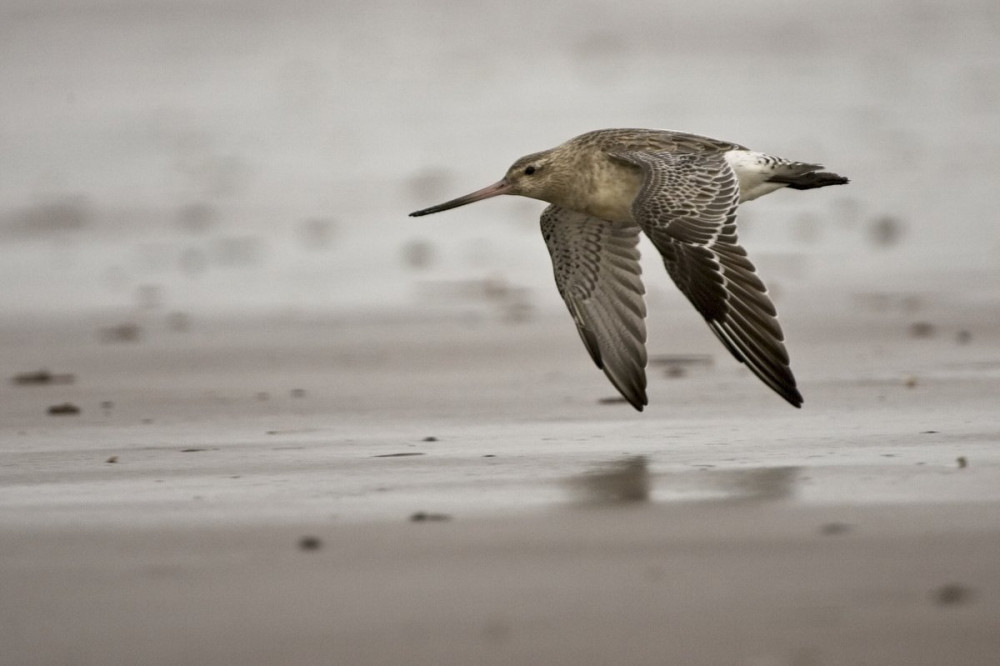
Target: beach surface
x: 465, y: 489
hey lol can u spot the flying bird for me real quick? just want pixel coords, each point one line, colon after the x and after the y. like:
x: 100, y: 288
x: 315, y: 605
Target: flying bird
x: 682, y: 190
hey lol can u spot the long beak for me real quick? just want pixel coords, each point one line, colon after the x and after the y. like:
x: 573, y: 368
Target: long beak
x: 501, y: 187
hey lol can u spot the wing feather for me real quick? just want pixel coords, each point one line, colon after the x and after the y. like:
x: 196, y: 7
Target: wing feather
x: 687, y: 206
x: 596, y: 267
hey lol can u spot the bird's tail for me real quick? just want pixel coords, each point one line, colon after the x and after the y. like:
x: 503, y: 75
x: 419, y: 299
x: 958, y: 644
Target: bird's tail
x: 809, y: 181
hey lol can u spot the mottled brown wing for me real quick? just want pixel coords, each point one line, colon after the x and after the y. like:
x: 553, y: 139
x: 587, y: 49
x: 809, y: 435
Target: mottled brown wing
x: 596, y: 266
x: 687, y: 206
x: 653, y: 141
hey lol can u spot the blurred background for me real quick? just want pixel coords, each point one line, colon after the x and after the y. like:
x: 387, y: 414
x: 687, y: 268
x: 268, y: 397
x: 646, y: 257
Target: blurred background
x: 229, y: 156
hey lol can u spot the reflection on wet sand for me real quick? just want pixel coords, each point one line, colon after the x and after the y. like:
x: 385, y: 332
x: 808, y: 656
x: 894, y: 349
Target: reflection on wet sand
x: 621, y: 481
x: 629, y: 480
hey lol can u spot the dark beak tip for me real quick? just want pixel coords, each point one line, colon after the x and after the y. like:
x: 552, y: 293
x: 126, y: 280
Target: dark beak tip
x: 490, y: 191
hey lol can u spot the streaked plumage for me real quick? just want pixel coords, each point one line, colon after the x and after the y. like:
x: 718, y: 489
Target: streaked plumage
x: 682, y: 191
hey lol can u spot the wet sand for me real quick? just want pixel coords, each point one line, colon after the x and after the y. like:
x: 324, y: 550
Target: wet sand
x: 459, y: 489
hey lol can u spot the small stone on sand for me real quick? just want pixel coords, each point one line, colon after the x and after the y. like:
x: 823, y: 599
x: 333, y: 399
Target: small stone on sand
x: 952, y: 594
x: 423, y: 516
x: 41, y: 377
x: 831, y: 529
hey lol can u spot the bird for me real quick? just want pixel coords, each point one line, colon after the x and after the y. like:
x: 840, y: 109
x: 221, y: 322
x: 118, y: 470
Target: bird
x: 605, y: 188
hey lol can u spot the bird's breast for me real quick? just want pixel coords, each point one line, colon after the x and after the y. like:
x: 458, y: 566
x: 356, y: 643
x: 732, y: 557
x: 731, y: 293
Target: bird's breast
x: 607, y: 192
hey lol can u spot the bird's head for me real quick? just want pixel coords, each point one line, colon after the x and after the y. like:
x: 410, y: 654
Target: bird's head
x: 533, y: 176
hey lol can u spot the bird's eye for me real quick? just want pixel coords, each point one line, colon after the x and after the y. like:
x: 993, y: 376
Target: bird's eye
x: 528, y: 170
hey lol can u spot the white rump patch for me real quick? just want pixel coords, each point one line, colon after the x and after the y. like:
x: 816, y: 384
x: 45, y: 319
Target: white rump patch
x: 753, y: 169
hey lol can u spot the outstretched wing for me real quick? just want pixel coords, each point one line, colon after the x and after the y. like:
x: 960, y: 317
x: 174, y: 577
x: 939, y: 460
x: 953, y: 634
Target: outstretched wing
x: 687, y: 206
x: 596, y: 266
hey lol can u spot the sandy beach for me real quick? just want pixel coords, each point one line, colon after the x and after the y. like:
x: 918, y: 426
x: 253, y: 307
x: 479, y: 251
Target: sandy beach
x: 461, y: 490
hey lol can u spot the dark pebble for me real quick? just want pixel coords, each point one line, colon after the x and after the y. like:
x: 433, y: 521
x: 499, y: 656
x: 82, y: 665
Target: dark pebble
x: 922, y: 329
x: 40, y: 377
x: 423, y: 516
x: 831, y: 529
x: 951, y: 594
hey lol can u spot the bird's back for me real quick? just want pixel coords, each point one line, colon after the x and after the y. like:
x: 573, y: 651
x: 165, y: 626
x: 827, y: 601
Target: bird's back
x: 650, y: 140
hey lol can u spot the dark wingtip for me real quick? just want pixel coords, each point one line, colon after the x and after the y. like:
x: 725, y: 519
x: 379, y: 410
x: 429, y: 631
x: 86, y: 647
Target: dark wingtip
x: 638, y: 401
x: 794, y: 398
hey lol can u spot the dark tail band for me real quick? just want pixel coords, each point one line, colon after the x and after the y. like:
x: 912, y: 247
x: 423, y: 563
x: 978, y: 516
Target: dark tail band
x: 810, y: 181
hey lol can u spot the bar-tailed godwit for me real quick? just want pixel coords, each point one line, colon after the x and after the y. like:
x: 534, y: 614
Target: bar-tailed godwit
x: 682, y: 191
